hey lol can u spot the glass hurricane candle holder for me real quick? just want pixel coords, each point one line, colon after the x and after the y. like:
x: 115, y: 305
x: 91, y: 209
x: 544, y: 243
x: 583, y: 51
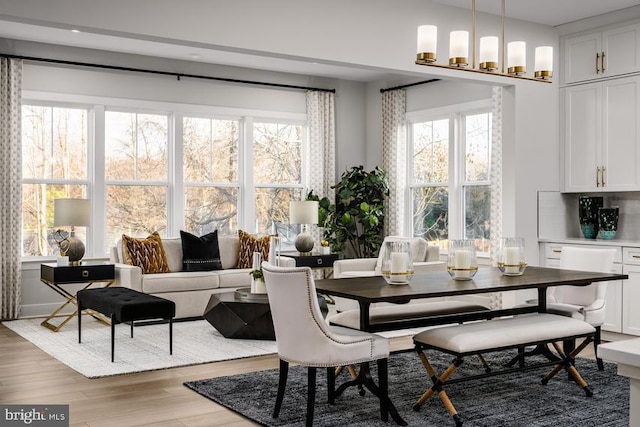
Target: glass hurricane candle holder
x: 397, y: 264
x: 462, y: 263
x: 511, y: 256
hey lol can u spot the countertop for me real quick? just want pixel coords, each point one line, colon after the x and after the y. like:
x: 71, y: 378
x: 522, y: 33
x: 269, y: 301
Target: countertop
x: 601, y: 242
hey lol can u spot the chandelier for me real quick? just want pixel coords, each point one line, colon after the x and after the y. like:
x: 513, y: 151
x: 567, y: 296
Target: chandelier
x: 491, y: 57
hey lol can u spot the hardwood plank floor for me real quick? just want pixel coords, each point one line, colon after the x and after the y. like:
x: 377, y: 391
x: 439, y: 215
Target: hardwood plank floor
x: 157, y: 398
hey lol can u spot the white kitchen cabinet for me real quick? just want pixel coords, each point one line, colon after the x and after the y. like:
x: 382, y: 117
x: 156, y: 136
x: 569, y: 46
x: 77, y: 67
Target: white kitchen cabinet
x: 608, y: 53
x: 631, y: 292
x: 602, y: 136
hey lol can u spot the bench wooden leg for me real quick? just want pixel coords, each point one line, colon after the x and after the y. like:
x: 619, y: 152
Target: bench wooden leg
x: 437, y: 386
x: 113, y: 334
x: 567, y: 364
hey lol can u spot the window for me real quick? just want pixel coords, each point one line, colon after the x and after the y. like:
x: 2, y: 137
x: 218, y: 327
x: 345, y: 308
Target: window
x: 54, y: 165
x: 277, y: 165
x: 211, y: 186
x: 136, y: 175
x: 449, y: 175
x: 158, y: 171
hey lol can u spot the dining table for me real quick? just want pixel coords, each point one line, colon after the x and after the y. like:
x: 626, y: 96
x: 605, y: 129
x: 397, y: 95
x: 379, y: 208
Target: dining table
x: 438, y: 283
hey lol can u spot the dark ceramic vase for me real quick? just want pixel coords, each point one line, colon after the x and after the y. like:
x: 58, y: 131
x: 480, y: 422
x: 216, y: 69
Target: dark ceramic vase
x: 588, y: 213
x: 608, y: 222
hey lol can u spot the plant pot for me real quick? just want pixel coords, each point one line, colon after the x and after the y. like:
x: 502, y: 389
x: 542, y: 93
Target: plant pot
x: 588, y: 215
x: 608, y: 222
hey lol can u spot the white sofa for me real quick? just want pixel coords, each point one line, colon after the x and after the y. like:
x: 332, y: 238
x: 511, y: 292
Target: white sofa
x: 425, y: 258
x: 190, y: 290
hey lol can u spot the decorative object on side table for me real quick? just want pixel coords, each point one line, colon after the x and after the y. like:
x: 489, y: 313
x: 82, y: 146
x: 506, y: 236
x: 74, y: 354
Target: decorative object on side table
x: 588, y: 214
x: 511, y: 256
x: 324, y: 248
x: 257, y: 278
x: 303, y: 212
x: 608, y: 222
x: 72, y: 213
x: 462, y: 263
x: 397, y: 264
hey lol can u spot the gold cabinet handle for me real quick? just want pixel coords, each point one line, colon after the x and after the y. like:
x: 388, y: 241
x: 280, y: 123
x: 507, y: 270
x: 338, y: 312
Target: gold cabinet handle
x: 597, y: 58
x: 635, y: 256
x: 598, y: 176
x: 560, y: 250
x: 602, y: 172
x: 602, y: 62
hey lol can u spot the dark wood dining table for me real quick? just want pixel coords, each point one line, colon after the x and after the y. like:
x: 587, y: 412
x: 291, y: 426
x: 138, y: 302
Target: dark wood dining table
x: 438, y: 283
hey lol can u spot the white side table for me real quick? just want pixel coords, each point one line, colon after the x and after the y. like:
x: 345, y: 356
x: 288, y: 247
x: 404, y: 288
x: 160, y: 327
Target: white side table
x: 626, y: 354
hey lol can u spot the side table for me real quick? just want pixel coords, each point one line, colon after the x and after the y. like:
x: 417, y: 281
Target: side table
x: 89, y: 272
x: 314, y: 261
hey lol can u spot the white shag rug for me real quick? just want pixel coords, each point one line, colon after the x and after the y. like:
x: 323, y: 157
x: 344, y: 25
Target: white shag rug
x: 194, y: 342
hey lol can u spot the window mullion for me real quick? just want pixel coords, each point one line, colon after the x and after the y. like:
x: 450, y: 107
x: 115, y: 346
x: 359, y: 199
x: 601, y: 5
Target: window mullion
x: 456, y: 211
x: 246, y: 198
x: 176, y: 175
x: 98, y: 244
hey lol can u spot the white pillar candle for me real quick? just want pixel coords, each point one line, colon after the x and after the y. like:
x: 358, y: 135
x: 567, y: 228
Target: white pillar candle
x: 398, y: 262
x: 462, y: 259
x: 511, y: 259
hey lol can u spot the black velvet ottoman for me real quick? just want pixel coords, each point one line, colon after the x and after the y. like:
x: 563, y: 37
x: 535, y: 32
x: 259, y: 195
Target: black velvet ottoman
x: 125, y: 305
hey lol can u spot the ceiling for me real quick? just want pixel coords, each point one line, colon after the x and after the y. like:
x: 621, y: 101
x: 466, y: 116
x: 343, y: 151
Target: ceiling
x: 548, y: 12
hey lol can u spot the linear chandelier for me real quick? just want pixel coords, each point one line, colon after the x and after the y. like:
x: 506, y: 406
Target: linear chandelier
x: 490, y: 52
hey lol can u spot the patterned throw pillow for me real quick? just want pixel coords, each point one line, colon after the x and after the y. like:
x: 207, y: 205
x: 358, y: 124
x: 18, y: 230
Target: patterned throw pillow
x: 200, y: 253
x: 148, y: 254
x: 250, y: 244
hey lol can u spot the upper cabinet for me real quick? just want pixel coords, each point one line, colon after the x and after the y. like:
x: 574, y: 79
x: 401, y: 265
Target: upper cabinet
x: 602, y: 136
x: 602, y: 54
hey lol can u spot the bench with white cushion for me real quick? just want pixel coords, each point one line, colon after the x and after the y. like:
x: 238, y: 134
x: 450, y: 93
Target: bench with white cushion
x: 496, y: 335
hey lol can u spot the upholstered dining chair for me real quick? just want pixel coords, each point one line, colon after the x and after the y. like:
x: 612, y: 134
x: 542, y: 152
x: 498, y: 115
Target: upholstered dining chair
x: 582, y: 302
x: 303, y: 337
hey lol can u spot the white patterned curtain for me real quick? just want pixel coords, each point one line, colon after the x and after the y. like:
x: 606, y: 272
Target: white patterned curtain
x: 394, y: 158
x: 496, y: 184
x: 322, y: 146
x: 11, y: 189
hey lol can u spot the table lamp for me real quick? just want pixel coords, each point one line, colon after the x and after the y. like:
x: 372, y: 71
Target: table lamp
x: 303, y: 212
x: 71, y: 213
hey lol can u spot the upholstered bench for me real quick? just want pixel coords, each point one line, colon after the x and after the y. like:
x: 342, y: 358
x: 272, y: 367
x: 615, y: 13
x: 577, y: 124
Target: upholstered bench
x: 403, y: 312
x: 496, y: 335
x: 125, y: 305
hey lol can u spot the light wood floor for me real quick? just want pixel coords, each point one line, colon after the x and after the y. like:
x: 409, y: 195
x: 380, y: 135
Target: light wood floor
x: 157, y: 398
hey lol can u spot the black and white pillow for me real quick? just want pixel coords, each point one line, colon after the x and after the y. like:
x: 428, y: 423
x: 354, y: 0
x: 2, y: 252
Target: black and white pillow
x: 200, y: 253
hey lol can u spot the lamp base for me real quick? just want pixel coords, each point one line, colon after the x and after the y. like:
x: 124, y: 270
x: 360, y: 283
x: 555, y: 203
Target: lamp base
x: 74, y: 249
x: 304, y: 243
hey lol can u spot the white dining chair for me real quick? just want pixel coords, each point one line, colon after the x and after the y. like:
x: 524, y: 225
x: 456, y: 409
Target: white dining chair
x: 303, y: 337
x: 582, y: 302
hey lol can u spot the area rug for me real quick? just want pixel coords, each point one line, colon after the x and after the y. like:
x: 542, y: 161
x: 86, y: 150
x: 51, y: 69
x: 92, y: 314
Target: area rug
x: 194, y: 343
x: 516, y: 399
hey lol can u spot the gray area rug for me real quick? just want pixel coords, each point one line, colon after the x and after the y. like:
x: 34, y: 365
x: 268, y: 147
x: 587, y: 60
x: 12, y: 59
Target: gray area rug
x: 516, y: 399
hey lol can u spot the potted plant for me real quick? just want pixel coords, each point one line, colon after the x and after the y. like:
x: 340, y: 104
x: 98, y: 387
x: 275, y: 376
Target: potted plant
x: 354, y: 223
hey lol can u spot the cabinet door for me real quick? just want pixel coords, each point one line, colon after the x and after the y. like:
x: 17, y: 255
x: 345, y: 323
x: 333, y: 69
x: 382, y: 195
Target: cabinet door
x: 621, y: 134
x: 613, y: 304
x: 621, y: 47
x: 580, y: 62
x: 630, y: 298
x: 582, y: 125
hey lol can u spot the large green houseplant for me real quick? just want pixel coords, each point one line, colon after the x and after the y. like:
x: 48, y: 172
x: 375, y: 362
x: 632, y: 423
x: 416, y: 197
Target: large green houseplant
x: 353, y: 224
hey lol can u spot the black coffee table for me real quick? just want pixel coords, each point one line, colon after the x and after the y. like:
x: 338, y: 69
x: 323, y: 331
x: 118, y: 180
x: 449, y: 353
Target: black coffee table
x: 241, y: 315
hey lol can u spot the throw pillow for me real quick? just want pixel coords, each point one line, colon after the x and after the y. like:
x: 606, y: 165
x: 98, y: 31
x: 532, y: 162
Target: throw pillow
x: 200, y: 253
x: 148, y: 254
x: 250, y: 244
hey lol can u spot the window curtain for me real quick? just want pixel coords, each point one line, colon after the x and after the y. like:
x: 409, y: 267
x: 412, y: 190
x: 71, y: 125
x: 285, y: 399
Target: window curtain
x: 322, y: 146
x: 496, y: 184
x: 394, y: 158
x: 11, y: 189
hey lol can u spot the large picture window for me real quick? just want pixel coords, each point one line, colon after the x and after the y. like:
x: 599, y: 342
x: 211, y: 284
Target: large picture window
x: 449, y: 175
x: 147, y: 171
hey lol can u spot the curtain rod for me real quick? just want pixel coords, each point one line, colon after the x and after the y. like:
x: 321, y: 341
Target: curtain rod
x: 409, y: 85
x: 163, y: 73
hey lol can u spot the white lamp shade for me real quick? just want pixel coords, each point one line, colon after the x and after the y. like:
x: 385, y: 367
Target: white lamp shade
x: 517, y: 54
x: 67, y: 212
x: 427, y: 39
x: 544, y: 58
x: 303, y: 212
x: 489, y: 49
x: 459, y: 44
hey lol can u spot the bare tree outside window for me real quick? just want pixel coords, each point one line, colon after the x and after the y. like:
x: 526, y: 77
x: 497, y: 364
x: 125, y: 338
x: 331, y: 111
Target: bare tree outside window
x: 136, y: 173
x: 54, y: 165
